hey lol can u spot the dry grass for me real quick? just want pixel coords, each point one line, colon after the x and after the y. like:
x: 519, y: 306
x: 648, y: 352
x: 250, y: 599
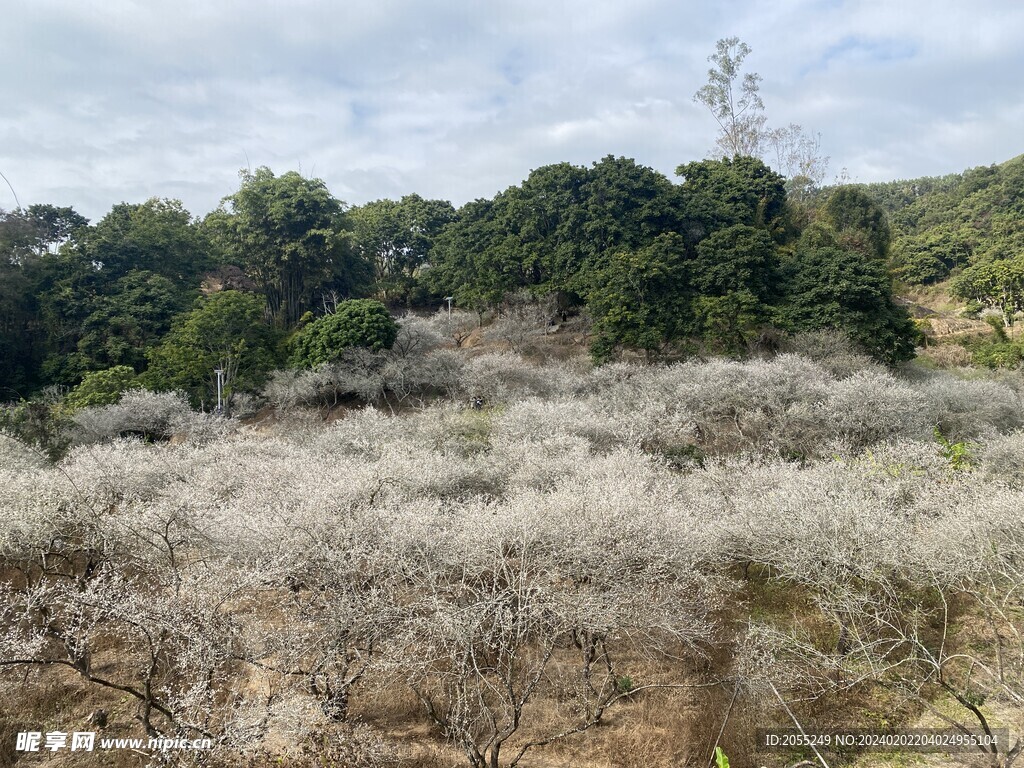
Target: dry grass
x: 946, y: 356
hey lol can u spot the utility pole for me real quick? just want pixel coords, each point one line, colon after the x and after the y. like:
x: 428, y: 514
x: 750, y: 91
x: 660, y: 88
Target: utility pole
x: 220, y: 389
x: 449, y: 300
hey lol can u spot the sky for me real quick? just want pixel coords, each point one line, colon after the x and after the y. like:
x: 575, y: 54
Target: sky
x: 115, y: 101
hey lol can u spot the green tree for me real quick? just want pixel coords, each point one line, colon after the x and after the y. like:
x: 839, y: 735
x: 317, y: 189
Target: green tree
x: 998, y: 284
x: 555, y: 231
x: 224, y: 331
x: 542, y: 220
x: 158, y: 236
x: 131, y: 318
x: 93, y: 312
x: 67, y: 286
x: 288, y: 233
x: 742, y: 190
x: 29, y: 240
x: 470, y: 262
x: 957, y: 220
x: 37, y: 230
x: 628, y: 205
x: 20, y: 339
x: 831, y: 287
x: 639, y: 299
x: 356, y: 323
x: 736, y: 276
x: 101, y: 388
x: 859, y: 223
x: 397, y: 238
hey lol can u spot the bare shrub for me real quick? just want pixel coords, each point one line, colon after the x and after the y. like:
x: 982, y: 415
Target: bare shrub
x: 535, y: 420
x: 422, y: 376
x: 357, y: 372
x: 505, y: 377
x: 457, y: 325
x: 530, y: 566
x: 832, y: 350
x: 150, y: 415
x: 501, y: 595
x: 245, y: 405
x: 521, y: 320
x: 1003, y: 460
x: 418, y: 336
x: 418, y: 366
x: 891, y: 550
x: 870, y: 407
x: 16, y: 455
x: 321, y: 744
x: 286, y: 389
x: 442, y: 371
x: 947, y: 356
x: 964, y: 408
x: 725, y: 406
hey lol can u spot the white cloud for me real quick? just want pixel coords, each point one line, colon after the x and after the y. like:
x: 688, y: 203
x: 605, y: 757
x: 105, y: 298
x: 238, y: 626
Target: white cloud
x: 107, y: 101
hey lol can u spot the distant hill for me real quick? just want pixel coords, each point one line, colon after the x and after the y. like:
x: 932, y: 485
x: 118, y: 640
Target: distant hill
x: 943, y: 223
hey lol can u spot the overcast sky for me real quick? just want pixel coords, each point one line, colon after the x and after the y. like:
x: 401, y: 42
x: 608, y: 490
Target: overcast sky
x: 117, y: 100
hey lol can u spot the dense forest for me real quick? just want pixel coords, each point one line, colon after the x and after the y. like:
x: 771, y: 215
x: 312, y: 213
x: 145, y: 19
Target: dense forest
x: 959, y: 222
x: 715, y: 264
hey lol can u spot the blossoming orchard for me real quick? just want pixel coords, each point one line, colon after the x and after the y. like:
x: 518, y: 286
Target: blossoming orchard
x: 615, y: 566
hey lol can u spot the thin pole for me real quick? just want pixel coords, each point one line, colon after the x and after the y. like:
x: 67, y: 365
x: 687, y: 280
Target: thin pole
x: 220, y: 379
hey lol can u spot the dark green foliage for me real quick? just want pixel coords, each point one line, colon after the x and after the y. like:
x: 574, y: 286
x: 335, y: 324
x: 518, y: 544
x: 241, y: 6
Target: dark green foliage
x: 736, y: 277
x: 397, y: 238
x: 735, y: 259
x: 225, y: 331
x: 858, y: 222
x: 54, y: 225
x: 658, y: 263
x: 943, y: 223
x: 28, y: 240
x: 356, y: 323
x: 742, y: 190
x: 919, y: 266
x: 830, y: 287
x: 640, y: 298
x: 555, y: 231
x: 839, y: 279
x: 131, y: 318
x: 288, y: 234
x: 629, y: 206
x: 37, y: 230
x: 470, y: 263
x: 157, y: 236
x: 20, y: 339
x: 661, y: 266
x: 98, y: 296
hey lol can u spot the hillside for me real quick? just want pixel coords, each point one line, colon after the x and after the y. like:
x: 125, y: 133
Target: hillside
x: 943, y: 223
